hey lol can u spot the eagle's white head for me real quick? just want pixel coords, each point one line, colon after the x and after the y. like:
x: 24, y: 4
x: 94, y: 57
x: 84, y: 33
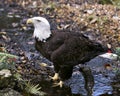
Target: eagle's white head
x: 42, y: 28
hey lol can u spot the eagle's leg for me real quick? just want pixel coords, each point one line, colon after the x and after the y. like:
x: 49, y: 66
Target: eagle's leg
x: 89, y: 79
x: 65, y: 73
x: 55, y: 77
x: 59, y: 84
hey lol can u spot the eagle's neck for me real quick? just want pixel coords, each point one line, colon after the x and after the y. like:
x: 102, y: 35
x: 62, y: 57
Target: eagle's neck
x: 42, y: 34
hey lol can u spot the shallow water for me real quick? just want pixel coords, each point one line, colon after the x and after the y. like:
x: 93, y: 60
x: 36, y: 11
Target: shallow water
x: 75, y: 87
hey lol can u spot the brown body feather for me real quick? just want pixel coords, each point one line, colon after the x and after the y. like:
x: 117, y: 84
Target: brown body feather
x: 67, y: 49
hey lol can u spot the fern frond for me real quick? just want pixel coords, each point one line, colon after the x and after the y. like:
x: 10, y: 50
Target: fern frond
x: 34, y: 89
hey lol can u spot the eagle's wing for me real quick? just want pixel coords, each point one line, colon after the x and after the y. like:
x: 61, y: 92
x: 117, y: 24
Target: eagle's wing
x: 66, y: 52
x: 76, y: 50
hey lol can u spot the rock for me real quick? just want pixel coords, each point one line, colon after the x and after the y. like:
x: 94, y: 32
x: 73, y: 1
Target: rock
x: 98, y: 64
x: 5, y: 73
x: 6, y: 79
x: 110, y: 56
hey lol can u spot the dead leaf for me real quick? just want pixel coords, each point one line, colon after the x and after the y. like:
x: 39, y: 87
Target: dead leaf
x: 93, y: 21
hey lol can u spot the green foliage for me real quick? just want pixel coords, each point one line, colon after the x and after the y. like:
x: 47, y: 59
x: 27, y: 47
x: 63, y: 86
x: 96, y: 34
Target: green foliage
x: 27, y: 86
x: 113, y: 2
x: 7, y: 61
x: 117, y: 50
x: 33, y: 89
x: 117, y: 69
x: 18, y: 76
x: 116, y: 3
x: 105, y: 2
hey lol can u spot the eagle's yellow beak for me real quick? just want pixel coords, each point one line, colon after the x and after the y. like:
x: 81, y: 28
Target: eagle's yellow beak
x: 29, y: 21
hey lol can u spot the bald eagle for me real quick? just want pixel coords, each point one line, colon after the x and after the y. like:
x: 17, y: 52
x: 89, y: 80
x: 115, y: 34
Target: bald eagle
x: 64, y: 49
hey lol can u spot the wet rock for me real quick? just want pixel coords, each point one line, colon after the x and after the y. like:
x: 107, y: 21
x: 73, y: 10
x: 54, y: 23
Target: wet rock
x: 98, y: 64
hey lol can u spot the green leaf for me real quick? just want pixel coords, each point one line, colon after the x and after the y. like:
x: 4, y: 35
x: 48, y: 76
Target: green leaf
x: 117, y: 50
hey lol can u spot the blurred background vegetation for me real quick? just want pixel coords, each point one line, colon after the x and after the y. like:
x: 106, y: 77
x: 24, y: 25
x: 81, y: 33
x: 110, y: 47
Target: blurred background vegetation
x: 113, y: 2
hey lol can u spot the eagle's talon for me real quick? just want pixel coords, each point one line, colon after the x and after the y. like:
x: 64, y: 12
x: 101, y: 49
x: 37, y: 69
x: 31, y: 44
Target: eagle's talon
x: 55, y: 77
x: 58, y: 84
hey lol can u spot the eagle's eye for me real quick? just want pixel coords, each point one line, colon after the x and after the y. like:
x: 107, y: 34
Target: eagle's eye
x: 38, y: 20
